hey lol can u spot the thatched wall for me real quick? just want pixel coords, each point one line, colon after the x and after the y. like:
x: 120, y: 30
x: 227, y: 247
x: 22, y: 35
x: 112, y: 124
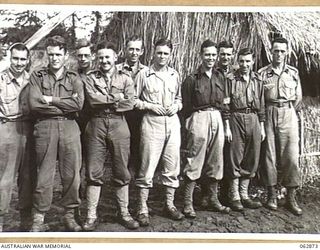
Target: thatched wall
x: 255, y: 30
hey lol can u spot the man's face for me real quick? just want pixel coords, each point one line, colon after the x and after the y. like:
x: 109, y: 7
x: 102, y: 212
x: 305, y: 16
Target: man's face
x: 133, y: 51
x: 84, y: 57
x: 19, y: 61
x: 279, y: 52
x: 57, y: 57
x: 245, y: 63
x: 225, y: 56
x: 209, y: 57
x: 162, y: 55
x: 107, y: 59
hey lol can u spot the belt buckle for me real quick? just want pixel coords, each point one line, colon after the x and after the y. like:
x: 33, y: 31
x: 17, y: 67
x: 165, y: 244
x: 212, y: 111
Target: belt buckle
x: 4, y: 120
x: 280, y: 104
x: 247, y: 110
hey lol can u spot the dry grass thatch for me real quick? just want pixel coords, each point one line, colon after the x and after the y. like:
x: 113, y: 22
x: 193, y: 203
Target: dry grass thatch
x: 189, y: 30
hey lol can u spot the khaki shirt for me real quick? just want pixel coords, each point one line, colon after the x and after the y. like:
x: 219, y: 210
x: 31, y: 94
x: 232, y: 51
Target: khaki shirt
x: 114, y: 91
x: 283, y: 87
x: 154, y: 87
x: 66, y: 91
x: 241, y: 95
x: 13, y: 95
x: 131, y: 71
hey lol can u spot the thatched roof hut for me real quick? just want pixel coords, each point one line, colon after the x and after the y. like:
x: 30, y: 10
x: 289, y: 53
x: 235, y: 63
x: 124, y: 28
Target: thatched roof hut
x: 254, y: 29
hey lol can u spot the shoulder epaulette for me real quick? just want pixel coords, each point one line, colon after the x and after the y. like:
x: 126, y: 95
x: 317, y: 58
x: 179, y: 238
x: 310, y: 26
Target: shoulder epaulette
x: 72, y: 72
x: 293, y: 68
x: 40, y: 72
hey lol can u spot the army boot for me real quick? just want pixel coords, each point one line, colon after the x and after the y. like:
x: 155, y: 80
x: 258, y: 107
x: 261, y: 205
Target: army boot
x: 291, y: 202
x: 214, y: 203
x: 143, y: 211
x: 122, y: 197
x: 38, y: 222
x: 245, y: 199
x: 272, y: 202
x: 234, y: 195
x: 188, y: 209
x: 70, y: 222
x: 93, y: 195
x: 170, y: 209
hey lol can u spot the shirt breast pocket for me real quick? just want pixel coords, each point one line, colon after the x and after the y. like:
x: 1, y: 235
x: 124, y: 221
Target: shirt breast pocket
x: 117, y: 88
x: 270, y: 91
x: 153, y: 91
x: 66, y: 89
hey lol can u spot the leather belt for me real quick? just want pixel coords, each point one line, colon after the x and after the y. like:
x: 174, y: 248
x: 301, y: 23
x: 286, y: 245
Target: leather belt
x: 280, y: 104
x: 245, y: 111
x: 58, y: 118
x: 209, y: 109
x: 19, y: 119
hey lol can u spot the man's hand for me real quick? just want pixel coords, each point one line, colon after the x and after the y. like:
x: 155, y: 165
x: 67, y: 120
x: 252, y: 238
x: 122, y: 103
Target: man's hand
x: 263, y: 131
x: 173, y: 109
x: 227, y: 131
x: 48, y: 99
x: 158, y: 109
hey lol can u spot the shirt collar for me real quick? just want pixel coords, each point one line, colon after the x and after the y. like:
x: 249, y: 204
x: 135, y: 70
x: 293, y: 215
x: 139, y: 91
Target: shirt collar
x: 12, y: 79
x: 270, y: 69
x: 152, y: 70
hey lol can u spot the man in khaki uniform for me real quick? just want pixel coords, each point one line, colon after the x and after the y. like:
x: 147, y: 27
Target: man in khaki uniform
x: 282, y: 90
x: 110, y: 93
x: 244, y: 130
x: 159, y: 95
x: 132, y: 66
x: 16, y: 135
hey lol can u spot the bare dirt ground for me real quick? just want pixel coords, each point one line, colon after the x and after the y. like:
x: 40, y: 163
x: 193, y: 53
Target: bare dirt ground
x: 249, y: 221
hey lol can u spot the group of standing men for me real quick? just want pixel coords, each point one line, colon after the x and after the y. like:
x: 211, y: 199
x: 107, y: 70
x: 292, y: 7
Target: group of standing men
x: 127, y: 107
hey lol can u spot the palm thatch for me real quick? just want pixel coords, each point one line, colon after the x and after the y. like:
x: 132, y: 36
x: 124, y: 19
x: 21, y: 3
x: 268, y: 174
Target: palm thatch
x: 189, y: 30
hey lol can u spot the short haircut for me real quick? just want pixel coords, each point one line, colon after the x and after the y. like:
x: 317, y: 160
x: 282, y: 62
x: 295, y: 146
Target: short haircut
x: 19, y: 47
x: 106, y: 45
x: 245, y: 51
x: 225, y: 44
x: 207, y: 43
x: 134, y: 38
x: 83, y: 42
x: 57, y: 41
x: 164, y: 42
x: 280, y: 40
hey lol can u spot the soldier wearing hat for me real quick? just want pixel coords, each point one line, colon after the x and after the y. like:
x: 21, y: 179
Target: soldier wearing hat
x: 56, y: 95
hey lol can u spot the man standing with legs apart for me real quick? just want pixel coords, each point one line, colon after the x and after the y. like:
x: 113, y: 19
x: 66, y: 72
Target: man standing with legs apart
x: 56, y: 95
x: 110, y: 93
x: 159, y: 94
x: 203, y: 95
x: 16, y: 134
x: 282, y: 91
x: 245, y: 131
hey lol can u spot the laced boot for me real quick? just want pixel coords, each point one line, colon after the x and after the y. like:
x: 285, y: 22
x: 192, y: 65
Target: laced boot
x: 188, y: 209
x: 93, y: 195
x: 38, y: 222
x: 214, y: 203
x: 234, y: 195
x: 245, y: 199
x: 69, y: 221
x: 291, y: 202
x: 122, y: 197
x: 143, y: 211
x: 169, y: 209
x: 272, y: 202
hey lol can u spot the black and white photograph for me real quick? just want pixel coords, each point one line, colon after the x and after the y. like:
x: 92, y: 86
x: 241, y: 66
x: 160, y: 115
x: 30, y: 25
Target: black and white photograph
x: 201, y: 121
